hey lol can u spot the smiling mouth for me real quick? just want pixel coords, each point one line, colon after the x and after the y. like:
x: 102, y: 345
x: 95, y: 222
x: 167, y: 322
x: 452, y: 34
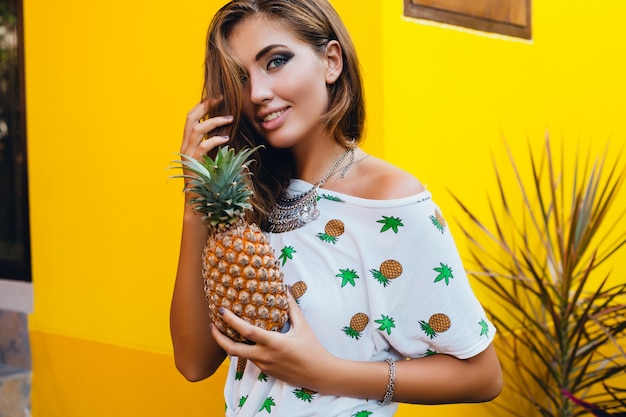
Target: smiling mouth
x: 273, y: 116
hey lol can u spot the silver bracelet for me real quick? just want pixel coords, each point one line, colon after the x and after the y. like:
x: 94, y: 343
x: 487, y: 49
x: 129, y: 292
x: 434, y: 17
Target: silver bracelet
x: 391, y: 385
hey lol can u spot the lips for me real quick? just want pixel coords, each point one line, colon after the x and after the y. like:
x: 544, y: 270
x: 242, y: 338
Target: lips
x: 274, y: 120
x: 272, y: 116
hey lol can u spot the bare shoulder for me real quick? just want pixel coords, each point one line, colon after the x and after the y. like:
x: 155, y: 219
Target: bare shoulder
x: 376, y: 179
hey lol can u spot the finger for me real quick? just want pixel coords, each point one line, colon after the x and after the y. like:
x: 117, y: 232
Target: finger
x: 295, y: 314
x: 193, y: 116
x: 245, y: 329
x: 201, y: 110
x: 228, y: 345
x: 199, y: 130
x: 205, y: 146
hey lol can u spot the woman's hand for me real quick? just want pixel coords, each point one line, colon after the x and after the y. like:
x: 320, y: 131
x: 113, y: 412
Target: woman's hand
x: 194, y: 142
x: 295, y: 357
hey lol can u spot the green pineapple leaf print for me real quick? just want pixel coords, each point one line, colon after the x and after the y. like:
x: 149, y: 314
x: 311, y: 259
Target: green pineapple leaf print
x: 304, y: 394
x: 390, y: 223
x: 386, y: 324
x: 358, y: 323
x: 430, y: 352
x: 267, y: 405
x: 242, y: 400
x: 484, y: 328
x: 347, y: 277
x: 331, y: 198
x: 445, y: 273
x: 286, y: 253
x: 364, y: 413
x: 438, y: 221
x: 262, y: 377
x: 333, y: 229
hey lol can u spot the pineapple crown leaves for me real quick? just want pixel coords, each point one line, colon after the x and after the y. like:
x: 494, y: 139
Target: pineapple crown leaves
x: 221, y: 186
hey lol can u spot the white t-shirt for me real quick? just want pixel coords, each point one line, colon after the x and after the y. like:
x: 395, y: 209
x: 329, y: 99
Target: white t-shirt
x: 383, y: 280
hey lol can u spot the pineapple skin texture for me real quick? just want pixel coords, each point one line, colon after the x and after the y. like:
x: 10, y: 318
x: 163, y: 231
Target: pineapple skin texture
x: 242, y: 274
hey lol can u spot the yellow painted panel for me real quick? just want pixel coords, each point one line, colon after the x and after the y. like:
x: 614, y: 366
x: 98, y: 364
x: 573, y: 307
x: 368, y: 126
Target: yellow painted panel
x: 78, y: 378
x: 108, y: 88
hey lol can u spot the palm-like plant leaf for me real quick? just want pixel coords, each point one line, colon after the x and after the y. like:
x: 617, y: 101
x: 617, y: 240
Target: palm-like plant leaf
x: 548, y: 273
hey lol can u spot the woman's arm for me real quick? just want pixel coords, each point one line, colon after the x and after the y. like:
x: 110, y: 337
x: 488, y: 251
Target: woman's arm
x: 298, y: 358
x: 436, y: 379
x: 196, y: 353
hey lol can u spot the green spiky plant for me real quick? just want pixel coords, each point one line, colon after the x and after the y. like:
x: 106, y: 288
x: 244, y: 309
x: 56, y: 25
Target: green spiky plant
x: 543, y: 256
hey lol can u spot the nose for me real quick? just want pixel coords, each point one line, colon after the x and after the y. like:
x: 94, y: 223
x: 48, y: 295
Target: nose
x: 260, y: 88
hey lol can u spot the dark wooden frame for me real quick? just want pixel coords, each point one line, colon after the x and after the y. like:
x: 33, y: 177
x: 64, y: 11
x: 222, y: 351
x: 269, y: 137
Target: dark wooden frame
x: 20, y: 269
x: 506, y: 17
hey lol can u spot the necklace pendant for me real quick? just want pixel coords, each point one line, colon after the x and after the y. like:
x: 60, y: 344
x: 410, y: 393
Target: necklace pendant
x: 308, y: 214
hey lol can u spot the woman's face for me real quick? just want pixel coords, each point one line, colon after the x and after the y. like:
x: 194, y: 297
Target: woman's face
x: 285, y: 82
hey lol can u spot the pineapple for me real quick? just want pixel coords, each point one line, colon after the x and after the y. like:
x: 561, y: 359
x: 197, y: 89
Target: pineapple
x: 358, y: 323
x: 240, y: 270
x: 389, y: 269
x: 437, y: 323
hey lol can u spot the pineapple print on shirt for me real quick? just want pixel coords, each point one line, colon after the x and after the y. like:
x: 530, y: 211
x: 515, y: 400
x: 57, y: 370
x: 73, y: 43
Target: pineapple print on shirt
x: 286, y: 253
x: 348, y: 276
x: 241, y: 367
x: 437, y: 323
x: 267, y: 405
x: 390, y: 223
x: 386, y: 324
x: 358, y: 323
x: 298, y: 289
x: 388, y: 270
x: 333, y: 229
x: 304, y: 394
x: 445, y: 273
x: 438, y: 221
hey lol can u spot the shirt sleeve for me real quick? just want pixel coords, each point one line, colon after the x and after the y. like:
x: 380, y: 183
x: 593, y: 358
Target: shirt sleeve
x: 430, y: 306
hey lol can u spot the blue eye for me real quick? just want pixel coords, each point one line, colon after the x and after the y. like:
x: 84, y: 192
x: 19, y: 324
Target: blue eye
x: 278, y: 61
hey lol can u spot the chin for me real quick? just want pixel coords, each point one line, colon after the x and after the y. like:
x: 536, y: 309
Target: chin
x: 280, y: 141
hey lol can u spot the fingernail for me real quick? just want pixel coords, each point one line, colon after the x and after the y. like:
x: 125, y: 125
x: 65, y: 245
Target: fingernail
x: 225, y: 137
x: 288, y: 288
x: 229, y: 117
x: 221, y: 311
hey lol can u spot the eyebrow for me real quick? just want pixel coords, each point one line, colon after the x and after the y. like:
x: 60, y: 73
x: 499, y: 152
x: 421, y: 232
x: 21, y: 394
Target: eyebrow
x: 265, y: 50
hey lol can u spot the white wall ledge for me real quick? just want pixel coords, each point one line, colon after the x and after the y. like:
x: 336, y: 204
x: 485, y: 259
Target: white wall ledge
x: 16, y: 296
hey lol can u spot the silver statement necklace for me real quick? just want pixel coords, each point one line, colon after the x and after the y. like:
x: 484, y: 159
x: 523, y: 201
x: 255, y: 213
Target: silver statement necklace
x: 293, y: 212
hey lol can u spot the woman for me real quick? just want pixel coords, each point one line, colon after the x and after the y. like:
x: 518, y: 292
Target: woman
x: 385, y: 286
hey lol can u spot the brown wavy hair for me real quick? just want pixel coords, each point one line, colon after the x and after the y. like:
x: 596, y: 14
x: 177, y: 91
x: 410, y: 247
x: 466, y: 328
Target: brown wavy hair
x: 313, y: 21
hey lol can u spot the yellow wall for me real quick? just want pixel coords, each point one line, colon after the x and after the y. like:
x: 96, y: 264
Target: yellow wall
x: 108, y: 87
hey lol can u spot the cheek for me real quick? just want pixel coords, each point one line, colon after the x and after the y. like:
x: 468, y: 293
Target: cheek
x: 311, y: 90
